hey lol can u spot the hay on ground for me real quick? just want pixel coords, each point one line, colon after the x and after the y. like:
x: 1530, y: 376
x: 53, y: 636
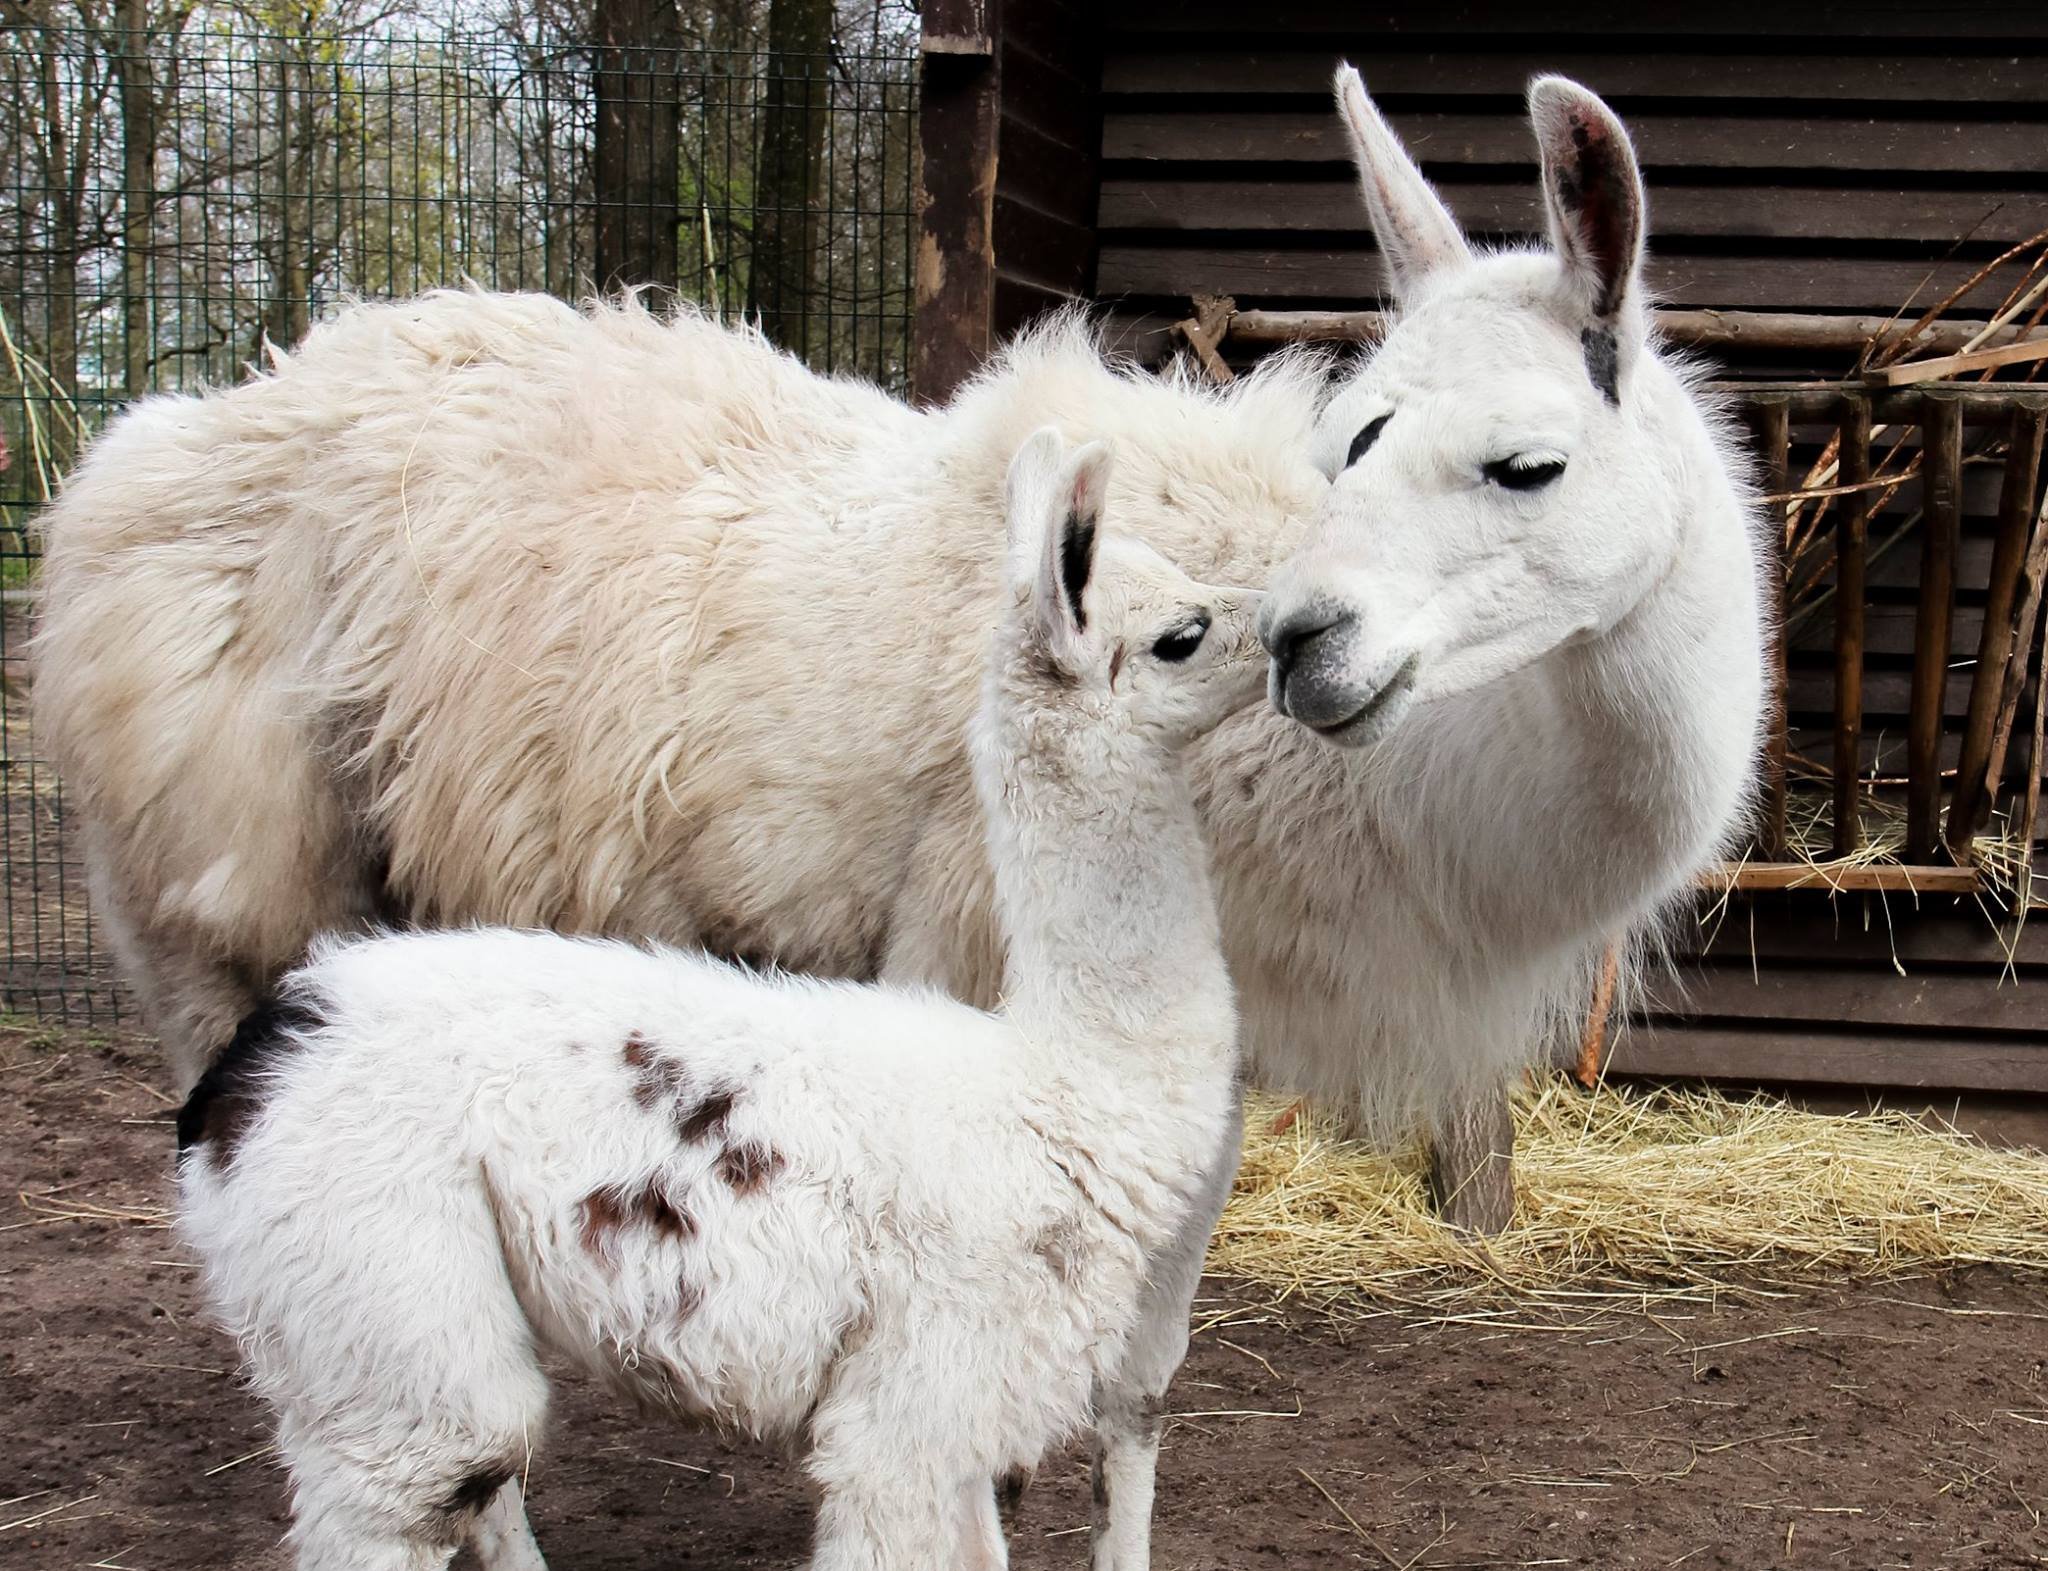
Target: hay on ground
x: 1623, y: 1192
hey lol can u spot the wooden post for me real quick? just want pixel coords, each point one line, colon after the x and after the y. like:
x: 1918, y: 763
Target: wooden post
x: 1851, y: 538
x: 1976, y: 776
x: 1941, y: 425
x: 1774, y: 437
x: 1471, y: 1163
x: 959, y: 122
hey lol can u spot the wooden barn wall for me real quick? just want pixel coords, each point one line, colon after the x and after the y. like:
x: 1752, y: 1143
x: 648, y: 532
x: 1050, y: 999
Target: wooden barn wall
x: 1010, y: 139
x: 1790, y: 167
x: 1046, y: 169
x: 1152, y: 149
x: 1865, y: 990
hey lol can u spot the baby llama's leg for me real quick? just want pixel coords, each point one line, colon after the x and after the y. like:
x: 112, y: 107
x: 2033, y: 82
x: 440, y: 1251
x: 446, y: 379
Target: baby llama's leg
x: 899, y: 1489
x: 502, y: 1539
x: 903, y: 1517
x: 408, y: 1404
x: 405, y: 1500
x: 982, y: 1546
x: 1127, y: 1409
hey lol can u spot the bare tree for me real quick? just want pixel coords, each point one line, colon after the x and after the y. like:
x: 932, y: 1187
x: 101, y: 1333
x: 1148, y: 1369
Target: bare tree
x: 638, y: 169
x: 789, y: 186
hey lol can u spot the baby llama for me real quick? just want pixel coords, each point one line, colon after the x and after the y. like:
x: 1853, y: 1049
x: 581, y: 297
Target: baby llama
x: 902, y: 1234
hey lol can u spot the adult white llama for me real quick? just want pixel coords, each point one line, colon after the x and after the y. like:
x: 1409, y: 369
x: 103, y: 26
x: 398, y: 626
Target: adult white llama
x: 478, y: 609
x: 909, y: 1235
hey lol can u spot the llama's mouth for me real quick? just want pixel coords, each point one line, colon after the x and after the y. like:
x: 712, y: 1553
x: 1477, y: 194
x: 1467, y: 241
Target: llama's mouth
x: 1373, y: 718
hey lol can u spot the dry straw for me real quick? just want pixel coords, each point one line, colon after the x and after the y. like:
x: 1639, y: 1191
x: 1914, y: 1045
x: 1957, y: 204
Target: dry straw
x: 1623, y: 1193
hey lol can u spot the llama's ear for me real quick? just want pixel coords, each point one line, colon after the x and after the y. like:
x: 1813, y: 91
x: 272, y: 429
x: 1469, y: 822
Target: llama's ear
x: 1593, y: 196
x: 1416, y: 232
x: 1073, y: 529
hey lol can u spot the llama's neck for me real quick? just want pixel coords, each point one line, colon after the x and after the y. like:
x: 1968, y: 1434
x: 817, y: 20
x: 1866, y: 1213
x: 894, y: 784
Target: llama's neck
x: 1104, y: 901
x: 1633, y: 750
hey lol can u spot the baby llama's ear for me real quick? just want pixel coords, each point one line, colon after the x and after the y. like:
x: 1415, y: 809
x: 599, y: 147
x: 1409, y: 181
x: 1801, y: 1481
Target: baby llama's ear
x: 1067, y: 561
x: 1028, y: 504
x: 1593, y: 199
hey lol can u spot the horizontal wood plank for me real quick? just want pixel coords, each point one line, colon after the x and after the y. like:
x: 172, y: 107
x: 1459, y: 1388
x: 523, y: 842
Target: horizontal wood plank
x: 1051, y: 176
x: 1514, y: 208
x: 1482, y: 71
x: 1353, y: 276
x: 1921, y: 1000
x: 1686, y: 141
x: 1041, y: 247
x: 1877, y: 934
x: 1946, y: 1061
x: 1363, y: 29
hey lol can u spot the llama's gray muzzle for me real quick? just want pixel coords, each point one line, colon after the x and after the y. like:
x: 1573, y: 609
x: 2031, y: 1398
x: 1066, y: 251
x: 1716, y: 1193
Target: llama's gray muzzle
x: 1322, y: 676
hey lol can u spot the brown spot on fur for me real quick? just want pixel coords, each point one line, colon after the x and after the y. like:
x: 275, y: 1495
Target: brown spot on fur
x: 1116, y: 664
x: 664, y: 1215
x: 608, y: 1210
x: 708, y: 1116
x: 748, y: 1167
x: 658, y: 1077
x: 604, y: 1213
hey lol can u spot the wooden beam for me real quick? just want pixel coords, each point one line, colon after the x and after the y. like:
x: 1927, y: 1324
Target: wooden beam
x: 1941, y: 537
x: 1978, y: 770
x: 1204, y: 331
x: 1890, y: 877
x: 959, y: 125
x: 1917, y: 371
x: 1772, y: 1054
x: 1852, y: 524
x: 1773, y: 330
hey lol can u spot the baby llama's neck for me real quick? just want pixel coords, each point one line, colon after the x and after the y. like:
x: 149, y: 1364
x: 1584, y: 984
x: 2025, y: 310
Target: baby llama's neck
x: 1103, y: 897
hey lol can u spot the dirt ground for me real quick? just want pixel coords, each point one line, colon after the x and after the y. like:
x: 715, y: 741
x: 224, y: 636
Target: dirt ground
x: 1865, y: 1429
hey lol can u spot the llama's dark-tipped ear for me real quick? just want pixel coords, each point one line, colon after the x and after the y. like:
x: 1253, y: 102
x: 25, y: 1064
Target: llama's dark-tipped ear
x: 1416, y: 232
x: 1592, y: 195
x: 1073, y: 532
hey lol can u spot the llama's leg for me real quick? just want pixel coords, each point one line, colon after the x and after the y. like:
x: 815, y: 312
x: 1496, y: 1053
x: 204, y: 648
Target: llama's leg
x: 349, y: 1517
x: 982, y: 1545
x: 1128, y: 1408
x: 501, y: 1537
x: 904, y: 1518
x: 191, y: 1000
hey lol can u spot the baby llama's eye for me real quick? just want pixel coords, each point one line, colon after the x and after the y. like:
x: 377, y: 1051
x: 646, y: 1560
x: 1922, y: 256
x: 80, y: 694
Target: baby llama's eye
x: 1523, y: 472
x: 1182, y: 641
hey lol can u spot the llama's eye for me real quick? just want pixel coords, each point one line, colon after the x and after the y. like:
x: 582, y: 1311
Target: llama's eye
x: 1182, y: 641
x: 1523, y: 472
x: 1365, y: 438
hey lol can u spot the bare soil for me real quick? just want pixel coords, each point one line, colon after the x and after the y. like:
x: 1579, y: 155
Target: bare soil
x: 1863, y: 1428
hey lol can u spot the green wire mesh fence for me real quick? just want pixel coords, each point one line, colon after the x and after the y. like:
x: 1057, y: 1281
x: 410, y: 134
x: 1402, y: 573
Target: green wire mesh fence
x: 171, y: 205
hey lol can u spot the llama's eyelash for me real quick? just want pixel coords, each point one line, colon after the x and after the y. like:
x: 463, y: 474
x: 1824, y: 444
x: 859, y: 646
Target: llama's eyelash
x: 1523, y: 471
x: 1183, y: 641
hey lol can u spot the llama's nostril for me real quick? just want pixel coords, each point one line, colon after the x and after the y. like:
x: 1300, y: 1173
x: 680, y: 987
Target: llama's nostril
x: 1286, y: 639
